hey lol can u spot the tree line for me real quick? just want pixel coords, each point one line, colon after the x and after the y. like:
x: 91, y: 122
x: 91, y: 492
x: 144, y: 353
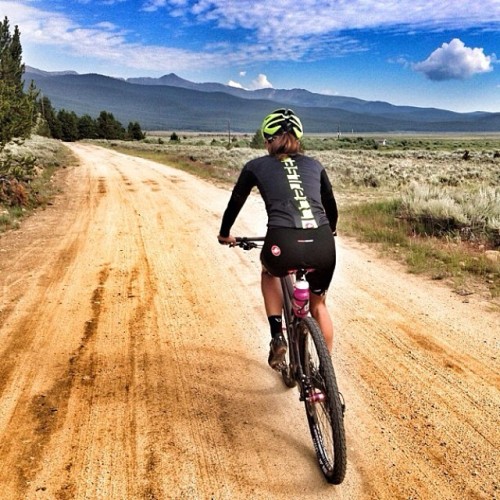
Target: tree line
x: 68, y: 126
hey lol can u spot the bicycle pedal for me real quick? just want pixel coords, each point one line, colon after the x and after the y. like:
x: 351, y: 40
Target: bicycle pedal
x: 280, y: 367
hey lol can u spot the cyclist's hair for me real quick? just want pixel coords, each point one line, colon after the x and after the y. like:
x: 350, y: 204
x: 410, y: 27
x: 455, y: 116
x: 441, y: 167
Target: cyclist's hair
x: 284, y: 145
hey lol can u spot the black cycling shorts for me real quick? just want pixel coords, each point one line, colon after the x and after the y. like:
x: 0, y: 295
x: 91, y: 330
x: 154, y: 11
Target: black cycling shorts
x: 286, y: 249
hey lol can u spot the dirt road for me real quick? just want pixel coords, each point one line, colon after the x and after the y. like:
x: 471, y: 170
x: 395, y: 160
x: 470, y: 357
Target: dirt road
x: 133, y: 358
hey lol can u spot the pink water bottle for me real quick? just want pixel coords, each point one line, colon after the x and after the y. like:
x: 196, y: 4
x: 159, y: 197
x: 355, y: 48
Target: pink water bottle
x: 300, y: 300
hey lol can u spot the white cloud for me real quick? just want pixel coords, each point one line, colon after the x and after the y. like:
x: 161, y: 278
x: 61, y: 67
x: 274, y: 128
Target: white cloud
x: 261, y: 82
x: 234, y: 84
x: 154, y: 5
x: 106, y: 26
x: 328, y: 92
x: 455, y: 61
x: 315, y: 29
x: 402, y: 60
x: 304, y: 24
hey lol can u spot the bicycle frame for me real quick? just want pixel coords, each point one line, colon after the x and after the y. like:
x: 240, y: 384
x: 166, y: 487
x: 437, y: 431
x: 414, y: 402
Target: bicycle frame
x: 292, y: 323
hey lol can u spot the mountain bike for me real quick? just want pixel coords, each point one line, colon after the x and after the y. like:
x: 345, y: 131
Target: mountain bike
x: 308, y: 366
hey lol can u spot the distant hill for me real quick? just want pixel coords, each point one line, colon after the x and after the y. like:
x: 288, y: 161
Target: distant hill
x: 172, y: 103
x: 30, y: 70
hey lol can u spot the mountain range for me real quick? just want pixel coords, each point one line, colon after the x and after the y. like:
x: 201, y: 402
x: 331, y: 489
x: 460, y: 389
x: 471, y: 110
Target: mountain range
x: 172, y: 103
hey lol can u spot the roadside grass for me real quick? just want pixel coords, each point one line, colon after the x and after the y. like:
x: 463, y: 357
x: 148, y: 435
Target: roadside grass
x: 473, y: 214
x: 10, y: 217
x: 463, y: 264
x: 39, y: 190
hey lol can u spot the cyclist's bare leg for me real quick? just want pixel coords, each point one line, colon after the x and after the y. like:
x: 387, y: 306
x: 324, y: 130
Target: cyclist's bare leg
x: 271, y: 290
x: 320, y: 313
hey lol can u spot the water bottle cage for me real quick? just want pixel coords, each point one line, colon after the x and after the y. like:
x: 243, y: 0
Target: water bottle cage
x: 300, y: 307
x: 301, y: 310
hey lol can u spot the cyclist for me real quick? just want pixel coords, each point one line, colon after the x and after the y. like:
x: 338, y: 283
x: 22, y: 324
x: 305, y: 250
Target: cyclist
x: 302, y: 220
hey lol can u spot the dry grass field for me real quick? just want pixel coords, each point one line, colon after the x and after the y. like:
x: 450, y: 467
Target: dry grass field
x: 26, y: 177
x: 438, y: 161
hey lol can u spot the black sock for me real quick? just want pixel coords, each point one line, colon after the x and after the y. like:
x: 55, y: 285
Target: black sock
x: 276, y: 325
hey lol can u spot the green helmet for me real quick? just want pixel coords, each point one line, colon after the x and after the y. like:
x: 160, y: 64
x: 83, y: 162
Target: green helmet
x: 281, y: 121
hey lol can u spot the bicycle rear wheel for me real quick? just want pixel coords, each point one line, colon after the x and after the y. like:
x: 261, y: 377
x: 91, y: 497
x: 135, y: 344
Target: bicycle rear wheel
x: 324, y: 408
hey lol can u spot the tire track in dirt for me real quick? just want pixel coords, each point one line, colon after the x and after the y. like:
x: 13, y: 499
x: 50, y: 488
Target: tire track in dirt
x: 134, y: 288
x: 49, y: 409
x: 140, y: 373
x: 25, y: 330
x: 172, y: 314
x: 127, y: 390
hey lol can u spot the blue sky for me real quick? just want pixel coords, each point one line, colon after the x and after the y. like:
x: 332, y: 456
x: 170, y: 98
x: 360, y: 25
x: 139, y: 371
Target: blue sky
x: 407, y: 52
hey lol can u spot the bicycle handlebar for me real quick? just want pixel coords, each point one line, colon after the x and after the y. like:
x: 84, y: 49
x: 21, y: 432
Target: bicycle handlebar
x: 248, y: 242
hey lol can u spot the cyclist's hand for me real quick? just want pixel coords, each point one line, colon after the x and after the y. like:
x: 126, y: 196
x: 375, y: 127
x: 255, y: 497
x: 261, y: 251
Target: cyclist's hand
x: 227, y: 240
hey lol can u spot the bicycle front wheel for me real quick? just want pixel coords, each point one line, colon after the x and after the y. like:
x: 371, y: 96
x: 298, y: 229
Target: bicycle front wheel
x: 324, y: 407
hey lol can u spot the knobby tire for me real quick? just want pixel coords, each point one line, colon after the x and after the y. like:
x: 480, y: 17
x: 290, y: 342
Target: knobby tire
x: 325, y: 419
x: 287, y: 370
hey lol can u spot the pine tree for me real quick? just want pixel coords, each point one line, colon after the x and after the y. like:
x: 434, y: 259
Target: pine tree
x: 87, y: 127
x: 17, y: 107
x: 69, y: 125
x: 108, y: 127
x: 257, y: 141
x: 49, y: 115
x: 17, y: 68
x: 134, y: 132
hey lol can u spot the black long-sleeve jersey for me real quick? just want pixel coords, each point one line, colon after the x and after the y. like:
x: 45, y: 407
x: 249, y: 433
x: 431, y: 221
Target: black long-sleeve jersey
x: 296, y: 191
